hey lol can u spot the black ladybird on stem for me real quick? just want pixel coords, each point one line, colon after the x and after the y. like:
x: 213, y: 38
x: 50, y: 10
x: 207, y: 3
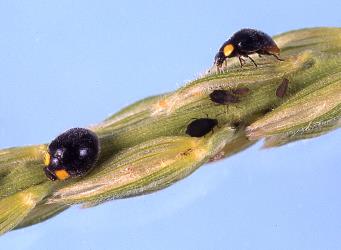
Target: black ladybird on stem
x: 201, y: 126
x: 244, y: 43
x: 71, y: 154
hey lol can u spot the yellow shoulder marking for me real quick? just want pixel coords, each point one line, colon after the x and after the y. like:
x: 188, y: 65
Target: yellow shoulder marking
x: 62, y: 174
x: 228, y: 49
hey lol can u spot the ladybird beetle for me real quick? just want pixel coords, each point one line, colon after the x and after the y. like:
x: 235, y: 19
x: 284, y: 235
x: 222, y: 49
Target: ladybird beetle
x: 200, y: 127
x: 246, y: 42
x: 71, y: 154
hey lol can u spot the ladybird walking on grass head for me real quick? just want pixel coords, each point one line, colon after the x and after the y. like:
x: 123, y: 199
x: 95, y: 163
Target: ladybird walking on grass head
x: 71, y: 154
x: 244, y: 43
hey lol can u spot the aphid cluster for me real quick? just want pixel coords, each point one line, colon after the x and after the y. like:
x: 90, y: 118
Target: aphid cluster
x: 202, y: 126
x: 244, y: 43
x: 71, y: 154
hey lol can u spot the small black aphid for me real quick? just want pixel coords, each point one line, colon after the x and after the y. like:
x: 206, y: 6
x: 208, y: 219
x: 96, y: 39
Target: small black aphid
x: 71, y: 154
x: 282, y: 88
x: 200, y: 127
x: 223, y: 97
x: 246, y: 42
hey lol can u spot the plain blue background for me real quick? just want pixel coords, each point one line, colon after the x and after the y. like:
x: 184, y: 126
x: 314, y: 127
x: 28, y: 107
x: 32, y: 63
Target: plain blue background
x: 72, y: 63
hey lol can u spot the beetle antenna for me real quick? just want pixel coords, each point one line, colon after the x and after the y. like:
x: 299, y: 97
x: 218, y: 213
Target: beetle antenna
x: 277, y: 57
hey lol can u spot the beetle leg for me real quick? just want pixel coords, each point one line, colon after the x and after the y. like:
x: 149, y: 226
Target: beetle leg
x: 252, y: 60
x: 218, y: 69
x: 242, y: 61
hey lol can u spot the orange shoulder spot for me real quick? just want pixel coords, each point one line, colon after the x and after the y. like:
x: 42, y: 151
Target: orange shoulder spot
x: 62, y: 174
x: 228, y: 49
